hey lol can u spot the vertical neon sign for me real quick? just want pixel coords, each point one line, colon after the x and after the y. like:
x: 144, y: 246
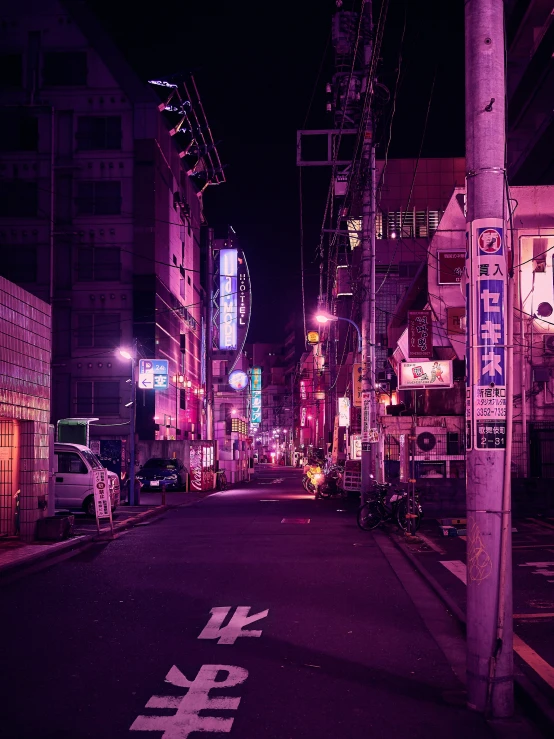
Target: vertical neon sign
x: 228, y: 299
x: 256, y: 390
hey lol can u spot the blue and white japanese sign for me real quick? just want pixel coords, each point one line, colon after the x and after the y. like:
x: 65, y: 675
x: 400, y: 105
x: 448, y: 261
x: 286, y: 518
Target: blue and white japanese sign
x: 153, y: 374
x: 486, y: 290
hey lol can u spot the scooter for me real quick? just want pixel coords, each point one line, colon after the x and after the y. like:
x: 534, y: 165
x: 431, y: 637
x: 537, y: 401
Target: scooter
x: 313, y: 483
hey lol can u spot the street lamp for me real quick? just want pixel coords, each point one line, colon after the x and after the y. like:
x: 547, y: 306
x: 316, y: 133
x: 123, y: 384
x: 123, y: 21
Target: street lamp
x: 126, y: 354
x: 325, y: 317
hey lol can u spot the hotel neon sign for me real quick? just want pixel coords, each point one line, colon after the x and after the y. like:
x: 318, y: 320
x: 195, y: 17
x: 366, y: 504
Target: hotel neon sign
x: 228, y: 299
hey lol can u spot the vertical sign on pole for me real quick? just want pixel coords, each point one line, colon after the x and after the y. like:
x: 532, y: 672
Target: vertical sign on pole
x: 102, y: 502
x: 366, y: 424
x: 486, y: 292
x: 256, y: 395
x: 228, y: 299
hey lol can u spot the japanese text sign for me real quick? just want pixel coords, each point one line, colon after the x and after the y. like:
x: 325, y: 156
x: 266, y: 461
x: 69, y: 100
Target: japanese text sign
x: 486, y: 353
x: 420, y: 334
x: 153, y: 374
x: 451, y: 266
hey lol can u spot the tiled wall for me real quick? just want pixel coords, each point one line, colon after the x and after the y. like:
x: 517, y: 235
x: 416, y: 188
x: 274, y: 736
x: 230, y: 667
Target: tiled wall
x: 25, y: 395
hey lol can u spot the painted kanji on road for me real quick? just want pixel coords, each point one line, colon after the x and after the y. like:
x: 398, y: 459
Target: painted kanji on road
x: 186, y: 718
x: 214, y: 629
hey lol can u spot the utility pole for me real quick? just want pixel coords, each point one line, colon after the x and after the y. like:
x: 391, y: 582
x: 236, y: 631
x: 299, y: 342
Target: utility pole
x: 489, y: 371
x: 209, y: 334
x: 369, y: 410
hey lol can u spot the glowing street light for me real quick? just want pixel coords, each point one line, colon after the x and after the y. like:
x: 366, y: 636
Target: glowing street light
x: 325, y: 317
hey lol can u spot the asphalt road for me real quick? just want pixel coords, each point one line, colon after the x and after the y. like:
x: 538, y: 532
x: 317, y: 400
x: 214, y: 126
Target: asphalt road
x: 339, y: 649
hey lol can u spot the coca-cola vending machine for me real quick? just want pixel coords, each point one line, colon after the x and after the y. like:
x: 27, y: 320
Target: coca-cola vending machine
x: 201, y: 465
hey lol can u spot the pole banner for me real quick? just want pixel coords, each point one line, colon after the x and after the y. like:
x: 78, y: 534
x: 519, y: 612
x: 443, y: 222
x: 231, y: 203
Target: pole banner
x: 486, y: 292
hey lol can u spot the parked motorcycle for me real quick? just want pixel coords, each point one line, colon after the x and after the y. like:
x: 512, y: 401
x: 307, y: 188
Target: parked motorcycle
x: 333, y: 480
x: 313, y: 480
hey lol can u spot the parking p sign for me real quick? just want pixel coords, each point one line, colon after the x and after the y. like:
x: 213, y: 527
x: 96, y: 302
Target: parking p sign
x: 153, y: 374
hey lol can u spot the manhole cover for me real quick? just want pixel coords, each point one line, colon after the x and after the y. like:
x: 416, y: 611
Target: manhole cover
x: 295, y: 520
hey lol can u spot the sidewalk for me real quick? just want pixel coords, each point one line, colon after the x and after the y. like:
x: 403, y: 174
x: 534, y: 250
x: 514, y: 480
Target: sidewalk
x: 15, y: 554
x: 442, y: 562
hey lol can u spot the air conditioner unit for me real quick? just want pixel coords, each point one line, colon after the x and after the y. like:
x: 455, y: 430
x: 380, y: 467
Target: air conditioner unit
x: 549, y: 344
x: 426, y: 441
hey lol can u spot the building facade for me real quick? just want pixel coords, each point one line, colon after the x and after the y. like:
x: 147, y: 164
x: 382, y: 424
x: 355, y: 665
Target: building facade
x: 100, y: 216
x: 25, y: 431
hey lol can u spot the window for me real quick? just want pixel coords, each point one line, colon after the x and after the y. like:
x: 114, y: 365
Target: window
x: 18, y: 199
x: 98, y: 264
x: 65, y: 68
x: 97, y: 397
x: 101, y: 330
x: 70, y: 463
x: 407, y: 270
x: 19, y: 264
x: 100, y: 198
x: 98, y: 132
x: 11, y: 70
x: 19, y: 130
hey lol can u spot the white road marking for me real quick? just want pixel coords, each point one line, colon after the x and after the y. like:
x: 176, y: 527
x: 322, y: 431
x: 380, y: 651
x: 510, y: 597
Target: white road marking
x: 214, y: 629
x: 456, y: 567
x: 541, y: 568
x: 187, y: 718
x: 534, y: 660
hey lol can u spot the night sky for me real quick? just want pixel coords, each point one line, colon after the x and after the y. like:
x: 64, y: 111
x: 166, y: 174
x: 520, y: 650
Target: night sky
x: 256, y: 66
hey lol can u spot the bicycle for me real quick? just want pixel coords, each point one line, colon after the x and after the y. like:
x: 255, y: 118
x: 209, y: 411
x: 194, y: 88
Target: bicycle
x: 221, y: 480
x: 376, y: 511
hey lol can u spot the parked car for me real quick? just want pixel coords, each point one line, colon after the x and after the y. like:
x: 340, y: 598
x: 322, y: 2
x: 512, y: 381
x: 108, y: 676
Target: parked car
x: 73, y: 479
x: 159, y: 471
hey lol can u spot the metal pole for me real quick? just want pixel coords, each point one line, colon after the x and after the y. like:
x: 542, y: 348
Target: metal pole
x: 489, y: 585
x: 51, y: 493
x: 368, y: 285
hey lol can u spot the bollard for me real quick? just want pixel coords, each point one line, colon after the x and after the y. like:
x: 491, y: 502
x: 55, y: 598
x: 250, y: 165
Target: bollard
x: 163, y: 494
x: 137, y: 491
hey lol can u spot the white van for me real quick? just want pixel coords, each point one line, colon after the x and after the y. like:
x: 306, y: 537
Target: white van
x: 73, y: 483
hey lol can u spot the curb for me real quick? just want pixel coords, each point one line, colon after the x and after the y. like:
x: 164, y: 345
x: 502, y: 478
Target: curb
x: 73, y: 546
x: 526, y: 693
x: 65, y: 547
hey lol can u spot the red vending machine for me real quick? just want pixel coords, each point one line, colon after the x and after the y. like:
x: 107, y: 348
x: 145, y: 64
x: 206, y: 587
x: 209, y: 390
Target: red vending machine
x: 201, y: 465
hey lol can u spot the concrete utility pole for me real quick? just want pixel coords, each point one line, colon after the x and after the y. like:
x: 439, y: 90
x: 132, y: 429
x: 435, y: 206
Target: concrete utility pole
x: 489, y: 371
x: 209, y: 336
x: 369, y: 410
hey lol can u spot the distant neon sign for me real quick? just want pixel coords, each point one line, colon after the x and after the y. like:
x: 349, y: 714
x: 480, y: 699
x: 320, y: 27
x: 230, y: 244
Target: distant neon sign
x: 228, y: 299
x: 256, y: 391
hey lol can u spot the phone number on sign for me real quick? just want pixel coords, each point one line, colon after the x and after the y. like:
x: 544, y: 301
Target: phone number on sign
x: 493, y: 412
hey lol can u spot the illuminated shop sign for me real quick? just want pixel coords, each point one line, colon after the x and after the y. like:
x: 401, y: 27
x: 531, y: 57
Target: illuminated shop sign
x: 228, y: 299
x: 256, y: 395
x: 420, y: 334
x: 238, y: 380
x: 239, y: 426
x: 303, y: 417
x: 425, y: 375
x: 344, y: 412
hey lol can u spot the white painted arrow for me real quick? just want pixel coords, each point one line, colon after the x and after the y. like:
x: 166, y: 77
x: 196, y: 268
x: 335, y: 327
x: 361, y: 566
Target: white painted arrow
x: 214, y: 629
